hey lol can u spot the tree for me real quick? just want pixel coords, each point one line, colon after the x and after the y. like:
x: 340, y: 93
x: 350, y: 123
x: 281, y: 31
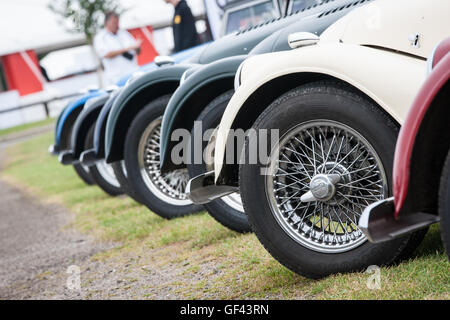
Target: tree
x: 85, y: 16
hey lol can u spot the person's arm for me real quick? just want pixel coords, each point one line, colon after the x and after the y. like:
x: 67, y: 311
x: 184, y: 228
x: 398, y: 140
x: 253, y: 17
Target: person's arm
x: 134, y: 47
x: 115, y: 53
x: 103, y: 52
x: 131, y: 41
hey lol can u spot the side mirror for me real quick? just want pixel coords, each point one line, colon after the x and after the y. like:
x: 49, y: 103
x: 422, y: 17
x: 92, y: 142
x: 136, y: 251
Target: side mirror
x: 302, y: 39
x: 163, y: 60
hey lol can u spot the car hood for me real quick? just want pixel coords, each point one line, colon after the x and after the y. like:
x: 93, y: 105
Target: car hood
x: 409, y: 26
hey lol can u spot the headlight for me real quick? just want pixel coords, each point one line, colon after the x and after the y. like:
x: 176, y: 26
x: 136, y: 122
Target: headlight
x: 237, y: 77
x: 134, y: 76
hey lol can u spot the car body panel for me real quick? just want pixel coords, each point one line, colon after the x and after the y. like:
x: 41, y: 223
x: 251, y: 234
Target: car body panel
x: 242, y: 42
x: 350, y: 64
x: 68, y: 117
x: 393, y: 25
x: 420, y: 154
x: 84, y: 121
x: 181, y: 112
x: 142, y: 86
x: 413, y: 124
x: 183, y: 105
x: 100, y: 125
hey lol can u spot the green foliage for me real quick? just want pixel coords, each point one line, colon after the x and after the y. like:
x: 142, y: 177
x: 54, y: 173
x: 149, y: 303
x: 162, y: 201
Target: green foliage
x: 86, y: 16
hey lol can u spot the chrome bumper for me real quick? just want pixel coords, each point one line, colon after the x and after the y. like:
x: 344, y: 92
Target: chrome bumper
x: 202, y: 189
x: 379, y: 224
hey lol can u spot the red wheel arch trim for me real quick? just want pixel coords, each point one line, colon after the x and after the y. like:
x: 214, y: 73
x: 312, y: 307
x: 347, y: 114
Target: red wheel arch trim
x: 408, y: 133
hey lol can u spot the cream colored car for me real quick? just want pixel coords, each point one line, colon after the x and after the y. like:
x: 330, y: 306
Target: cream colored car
x: 334, y: 107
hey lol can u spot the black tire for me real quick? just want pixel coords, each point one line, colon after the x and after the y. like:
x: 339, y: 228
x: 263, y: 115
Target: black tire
x: 123, y: 180
x: 230, y: 217
x: 415, y: 239
x: 444, y: 205
x: 312, y: 105
x: 84, y: 174
x: 156, y: 198
x: 109, y: 183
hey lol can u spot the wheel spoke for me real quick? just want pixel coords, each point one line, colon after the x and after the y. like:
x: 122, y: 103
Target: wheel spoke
x: 353, y: 175
x: 170, y: 186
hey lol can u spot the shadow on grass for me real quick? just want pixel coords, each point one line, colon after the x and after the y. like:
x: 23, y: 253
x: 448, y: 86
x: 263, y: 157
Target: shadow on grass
x: 431, y: 244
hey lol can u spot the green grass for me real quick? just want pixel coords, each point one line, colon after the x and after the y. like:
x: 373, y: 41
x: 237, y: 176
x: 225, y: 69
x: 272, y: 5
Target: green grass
x: 212, y: 260
x: 24, y: 127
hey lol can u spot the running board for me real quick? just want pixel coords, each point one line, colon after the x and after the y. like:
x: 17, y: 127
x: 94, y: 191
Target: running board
x: 379, y: 224
x: 202, y: 189
x: 67, y: 158
x: 89, y: 158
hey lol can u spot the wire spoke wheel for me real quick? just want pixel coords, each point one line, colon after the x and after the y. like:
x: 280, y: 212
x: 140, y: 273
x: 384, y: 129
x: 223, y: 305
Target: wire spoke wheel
x: 169, y: 187
x: 321, y: 177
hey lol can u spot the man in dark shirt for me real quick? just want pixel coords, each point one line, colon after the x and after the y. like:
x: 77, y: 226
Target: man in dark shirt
x: 184, y: 32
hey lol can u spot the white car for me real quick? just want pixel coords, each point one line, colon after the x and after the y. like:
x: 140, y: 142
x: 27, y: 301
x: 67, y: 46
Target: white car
x: 334, y: 106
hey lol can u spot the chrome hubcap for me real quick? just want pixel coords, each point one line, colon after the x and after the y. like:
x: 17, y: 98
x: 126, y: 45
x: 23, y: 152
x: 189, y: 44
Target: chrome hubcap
x: 322, y: 188
x: 321, y: 177
x: 169, y: 187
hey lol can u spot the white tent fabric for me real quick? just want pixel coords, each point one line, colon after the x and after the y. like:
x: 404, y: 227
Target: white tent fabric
x: 29, y: 24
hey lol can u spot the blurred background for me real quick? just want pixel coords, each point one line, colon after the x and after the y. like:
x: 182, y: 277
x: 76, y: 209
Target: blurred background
x: 46, y: 59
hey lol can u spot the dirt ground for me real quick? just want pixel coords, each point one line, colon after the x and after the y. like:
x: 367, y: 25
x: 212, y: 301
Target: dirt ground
x: 43, y: 257
x: 36, y: 247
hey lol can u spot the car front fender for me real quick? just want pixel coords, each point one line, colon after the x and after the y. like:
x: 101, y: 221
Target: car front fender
x: 67, y: 119
x: 388, y: 78
x: 132, y: 99
x: 84, y: 121
x: 422, y: 145
x: 190, y: 98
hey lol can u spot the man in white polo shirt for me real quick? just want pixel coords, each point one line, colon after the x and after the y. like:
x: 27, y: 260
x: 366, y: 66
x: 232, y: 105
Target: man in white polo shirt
x: 117, y: 49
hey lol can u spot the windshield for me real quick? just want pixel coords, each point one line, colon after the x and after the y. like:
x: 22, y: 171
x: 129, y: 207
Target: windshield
x: 301, y: 4
x: 245, y: 17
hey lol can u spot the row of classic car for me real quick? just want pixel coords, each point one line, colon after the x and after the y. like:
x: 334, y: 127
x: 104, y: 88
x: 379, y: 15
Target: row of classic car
x: 319, y: 93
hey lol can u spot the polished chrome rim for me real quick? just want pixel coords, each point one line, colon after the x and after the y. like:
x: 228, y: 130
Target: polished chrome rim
x: 107, y: 173
x: 169, y: 187
x: 321, y: 177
